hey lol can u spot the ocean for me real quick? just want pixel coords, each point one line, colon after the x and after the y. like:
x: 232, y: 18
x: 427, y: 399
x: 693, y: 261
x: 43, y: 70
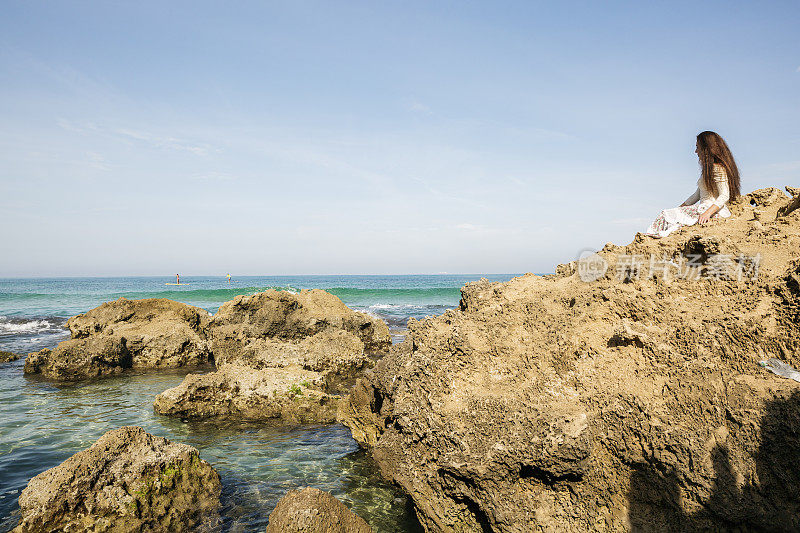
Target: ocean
x: 42, y: 423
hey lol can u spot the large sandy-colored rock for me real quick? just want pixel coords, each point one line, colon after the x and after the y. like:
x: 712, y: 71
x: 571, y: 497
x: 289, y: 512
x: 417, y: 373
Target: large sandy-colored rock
x: 311, y: 510
x: 286, y: 382
x: 127, y: 481
x: 338, y: 356
x: 288, y: 395
x: 127, y: 334
x: 621, y: 404
x: 290, y: 316
x: 158, y: 333
x: 281, y: 357
x: 75, y: 359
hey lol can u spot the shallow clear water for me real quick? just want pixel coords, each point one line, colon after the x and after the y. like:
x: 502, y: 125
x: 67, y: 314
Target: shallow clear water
x: 42, y: 424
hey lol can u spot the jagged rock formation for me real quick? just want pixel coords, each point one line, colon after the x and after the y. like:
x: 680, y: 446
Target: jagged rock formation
x: 312, y: 329
x: 290, y: 316
x: 281, y: 357
x: 314, y: 511
x: 127, y: 481
x: 7, y: 357
x: 127, y: 334
x: 632, y: 402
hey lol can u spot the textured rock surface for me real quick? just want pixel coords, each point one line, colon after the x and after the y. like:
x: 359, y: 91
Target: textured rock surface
x: 336, y: 355
x: 290, y: 316
x: 138, y: 334
x: 284, y: 395
x: 314, y: 511
x: 281, y: 357
x: 128, y: 480
x: 312, y: 329
x: 7, y: 357
x: 551, y: 404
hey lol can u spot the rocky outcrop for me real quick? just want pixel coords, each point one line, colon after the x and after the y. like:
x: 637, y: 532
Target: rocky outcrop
x: 127, y: 334
x: 290, y: 317
x: 312, y: 329
x: 631, y: 402
x: 314, y: 511
x: 7, y: 357
x: 281, y: 357
x: 127, y: 481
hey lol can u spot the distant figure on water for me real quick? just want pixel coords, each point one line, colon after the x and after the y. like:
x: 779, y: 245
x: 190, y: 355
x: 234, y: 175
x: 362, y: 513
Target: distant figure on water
x: 177, y: 279
x: 229, y: 278
x: 718, y: 184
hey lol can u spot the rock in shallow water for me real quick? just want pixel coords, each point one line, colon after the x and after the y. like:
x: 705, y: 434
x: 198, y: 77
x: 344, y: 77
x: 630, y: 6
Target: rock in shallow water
x: 290, y: 316
x: 281, y: 357
x: 129, y: 480
x: 281, y: 395
x: 127, y: 334
x: 311, y: 510
x: 7, y: 357
x: 269, y: 326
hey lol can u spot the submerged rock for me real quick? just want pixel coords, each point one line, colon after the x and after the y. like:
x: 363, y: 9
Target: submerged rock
x: 7, y: 357
x: 314, y: 511
x: 127, y: 334
x: 631, y: 402
x: 128, y: 480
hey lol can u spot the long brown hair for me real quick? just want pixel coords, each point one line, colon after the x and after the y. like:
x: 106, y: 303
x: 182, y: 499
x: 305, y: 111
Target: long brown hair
x: 711, y: 148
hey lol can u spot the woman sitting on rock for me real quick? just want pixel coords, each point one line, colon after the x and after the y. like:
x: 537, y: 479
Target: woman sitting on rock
x: 718, y: 183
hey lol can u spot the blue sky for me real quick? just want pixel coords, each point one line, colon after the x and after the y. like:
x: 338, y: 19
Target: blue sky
x: 299, y: 137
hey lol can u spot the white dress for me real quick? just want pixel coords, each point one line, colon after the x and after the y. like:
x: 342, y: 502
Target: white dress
x: 670, y: 220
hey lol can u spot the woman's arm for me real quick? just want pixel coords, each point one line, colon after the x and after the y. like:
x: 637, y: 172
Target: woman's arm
x: 723, y: 194
x: 693, y: 198
x: 708, y: 213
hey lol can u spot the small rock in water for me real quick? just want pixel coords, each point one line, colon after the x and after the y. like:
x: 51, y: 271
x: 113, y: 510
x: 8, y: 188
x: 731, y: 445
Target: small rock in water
x: 7, y: 357
x: 311, y: 510
x: 129, y: 480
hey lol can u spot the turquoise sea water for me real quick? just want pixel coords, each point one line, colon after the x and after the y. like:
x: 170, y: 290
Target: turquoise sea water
x: 42, y: 424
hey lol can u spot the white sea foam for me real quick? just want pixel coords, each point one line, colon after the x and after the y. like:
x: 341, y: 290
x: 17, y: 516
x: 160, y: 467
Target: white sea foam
x: 25, y: 327
x: 396, y: 306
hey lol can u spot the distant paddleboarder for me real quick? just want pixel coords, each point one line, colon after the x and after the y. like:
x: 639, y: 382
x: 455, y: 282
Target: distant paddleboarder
x: 229, y: 278
x: 177, y: 279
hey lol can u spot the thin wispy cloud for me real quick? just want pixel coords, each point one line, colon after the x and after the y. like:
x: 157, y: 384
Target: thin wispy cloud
x: 214, y: 176
x: 417, y: 107
x: 97, y: 161
x: 468, y: 227
x: 169, y: 143
x: 139, y: 136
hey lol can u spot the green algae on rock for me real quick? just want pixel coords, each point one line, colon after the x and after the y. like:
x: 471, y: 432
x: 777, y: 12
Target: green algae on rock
x: 7, y: 357
x: 127, y: 481
x: 284, y: 372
